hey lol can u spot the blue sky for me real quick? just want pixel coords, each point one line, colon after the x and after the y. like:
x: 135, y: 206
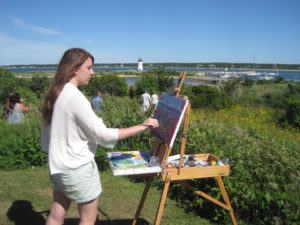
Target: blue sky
x: 121, y: 31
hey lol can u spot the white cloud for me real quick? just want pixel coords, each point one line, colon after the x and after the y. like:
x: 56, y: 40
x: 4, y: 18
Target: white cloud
x: 88, y: 42
x: 16, y: 51
x: 111, y: 57
x: 37, y: 29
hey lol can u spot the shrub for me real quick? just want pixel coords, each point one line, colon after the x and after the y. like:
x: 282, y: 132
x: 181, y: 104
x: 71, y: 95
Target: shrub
x: 291, y: 106
x: 248, y: 82
x: 293, y: 110
x: 274, y: 100
x: 207, y: 97
x: 121, y: 112
x: 109, y: 84
x: 159, y: 80
x: 29, y: 97
x: 147, y: 82
x: 165, y: 78
x: 231, y: 86
x: 20, y: 145
x: 7, y: 83
x: 264, y: 164
x: 279, y: 79
x: 39, y: 84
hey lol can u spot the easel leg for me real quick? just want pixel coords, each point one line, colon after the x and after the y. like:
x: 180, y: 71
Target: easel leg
x: 139, y: 209
x: 226, y: 199
x: 162, y: 201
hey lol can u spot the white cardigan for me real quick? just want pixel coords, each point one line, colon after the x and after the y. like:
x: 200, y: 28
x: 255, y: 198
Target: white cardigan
x: 75, y: 131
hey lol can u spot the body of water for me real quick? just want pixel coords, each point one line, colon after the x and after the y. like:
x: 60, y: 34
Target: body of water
x: 131, y: 81
x: 286, y: 74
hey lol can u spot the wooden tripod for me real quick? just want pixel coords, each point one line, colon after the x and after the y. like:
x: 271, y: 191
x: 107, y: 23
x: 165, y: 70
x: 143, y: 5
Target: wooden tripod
x: 178, y: 174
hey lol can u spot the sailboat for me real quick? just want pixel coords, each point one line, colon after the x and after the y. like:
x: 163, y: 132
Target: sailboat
x: 253, y: 73
x: 266, y: 77
x: 275, y: 71
x: 228, y: 75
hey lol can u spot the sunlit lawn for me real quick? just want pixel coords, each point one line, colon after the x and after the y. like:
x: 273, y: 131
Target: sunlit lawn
x: 117, y: 203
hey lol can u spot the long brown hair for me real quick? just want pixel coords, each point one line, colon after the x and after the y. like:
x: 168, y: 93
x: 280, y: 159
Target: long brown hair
x: 13, y: 99
x: 69, y: 63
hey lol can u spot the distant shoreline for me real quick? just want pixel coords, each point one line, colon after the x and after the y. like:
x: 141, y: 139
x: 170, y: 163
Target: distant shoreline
x: 148, y: 68
x: 174, y: 66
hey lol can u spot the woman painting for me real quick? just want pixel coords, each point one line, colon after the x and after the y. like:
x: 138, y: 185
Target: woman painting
x: 71, y: 133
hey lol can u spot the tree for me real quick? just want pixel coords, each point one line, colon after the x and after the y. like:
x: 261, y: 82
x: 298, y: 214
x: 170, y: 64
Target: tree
x: 7, y: 84
x: 293, y: 110
x: 39, y: 84
x: 159, y: 80
x: 202, y: 96
x: 110, y: 84
x: 149, y: 82
x: 279, y: 79
x: 248, y: 82
x: 231, y: 86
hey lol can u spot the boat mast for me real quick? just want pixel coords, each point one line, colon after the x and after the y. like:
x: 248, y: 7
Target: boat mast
x: 254, y: 61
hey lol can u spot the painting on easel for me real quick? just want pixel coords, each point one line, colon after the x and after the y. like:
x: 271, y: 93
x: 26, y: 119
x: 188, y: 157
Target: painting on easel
x: 169, y: 113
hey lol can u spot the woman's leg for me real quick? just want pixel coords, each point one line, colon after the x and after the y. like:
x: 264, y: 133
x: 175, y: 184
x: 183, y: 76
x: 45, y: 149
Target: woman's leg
x: 88, y: 212
x: 59, y: 207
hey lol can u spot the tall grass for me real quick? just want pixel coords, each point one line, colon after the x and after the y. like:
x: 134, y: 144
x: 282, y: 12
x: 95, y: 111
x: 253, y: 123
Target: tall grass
x: 265, y: 163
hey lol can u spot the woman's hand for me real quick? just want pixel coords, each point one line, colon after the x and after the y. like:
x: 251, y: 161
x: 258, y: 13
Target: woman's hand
x: 150, y: 122
x: 23, y: 107
x: 127, y: 132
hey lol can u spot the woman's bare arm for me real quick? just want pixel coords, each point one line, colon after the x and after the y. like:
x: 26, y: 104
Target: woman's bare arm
x: 127, y: 132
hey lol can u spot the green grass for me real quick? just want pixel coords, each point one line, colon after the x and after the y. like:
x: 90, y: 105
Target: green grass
x: 117, y: 203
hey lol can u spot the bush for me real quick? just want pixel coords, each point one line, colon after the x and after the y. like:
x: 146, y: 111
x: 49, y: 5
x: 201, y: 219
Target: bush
x: 231, y: 86
x: 264, y: 171
x: 273, y: 100
x: 109, y: 84
x: 20, y: 145
x: 29, y: 97
x: 39, y: 84
x: 291, y: 106
x: 293, y: 110
x: 165, y: 78
x: 120, y: 113
x: 159, y: 80
x: 279, y: 79
x: 147, y: 82
x: 7, y: 83
x: 207, y: 97
x: 248, y: 82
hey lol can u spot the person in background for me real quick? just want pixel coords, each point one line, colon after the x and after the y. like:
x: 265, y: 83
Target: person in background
x: 70, y: 134
x: 15, y: 108
x: 146, y: 101
x: 154, y: 98
x: 96, y: 102
x: 131, y: 92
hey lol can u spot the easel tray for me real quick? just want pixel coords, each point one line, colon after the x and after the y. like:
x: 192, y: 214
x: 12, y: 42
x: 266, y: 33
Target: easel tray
x: 197, y: 172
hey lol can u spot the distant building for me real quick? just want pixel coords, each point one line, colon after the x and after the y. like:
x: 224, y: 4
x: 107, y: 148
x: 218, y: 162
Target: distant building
x: 140, y: 65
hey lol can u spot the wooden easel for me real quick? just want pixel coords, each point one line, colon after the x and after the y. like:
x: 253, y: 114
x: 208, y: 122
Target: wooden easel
x: 178, y: 174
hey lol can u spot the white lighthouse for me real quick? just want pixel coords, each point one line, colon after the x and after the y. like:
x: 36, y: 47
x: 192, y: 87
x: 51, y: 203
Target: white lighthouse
x: 140, y: 65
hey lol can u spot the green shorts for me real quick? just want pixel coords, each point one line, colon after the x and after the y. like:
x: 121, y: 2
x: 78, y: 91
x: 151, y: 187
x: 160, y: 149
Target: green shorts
x: 80, y: 185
